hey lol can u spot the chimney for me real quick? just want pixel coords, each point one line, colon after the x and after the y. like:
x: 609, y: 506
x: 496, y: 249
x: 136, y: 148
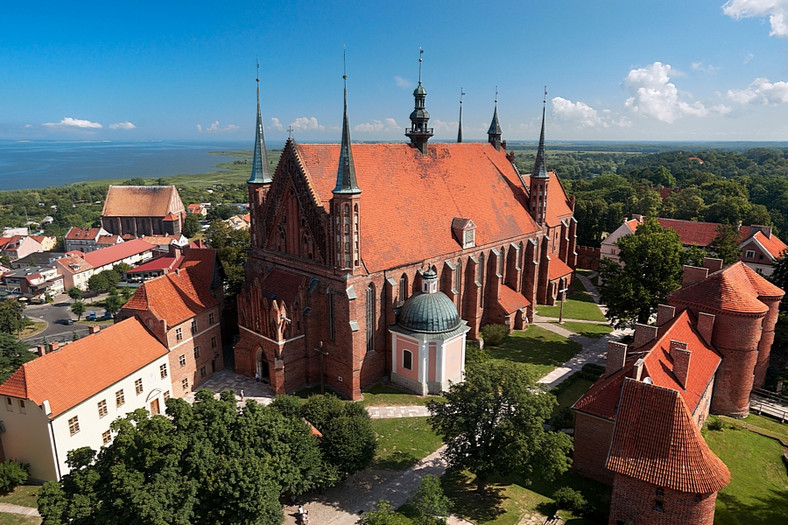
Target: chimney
x: 41, y: 350
x: 46, y: 407
x: 616, y: 355
x: 644, y: 334
x: 665, y: 313
x: 681, y: 361
x: 693, y: 274
x: 637, y: 371
x: 766, y: 230
x: 53, y: 346
x: 712, y: 264
x: 638, y: 217
x: 706, y: 326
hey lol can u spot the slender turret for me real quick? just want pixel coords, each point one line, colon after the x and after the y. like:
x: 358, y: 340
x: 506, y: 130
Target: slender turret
x: 419, y: 133
x: 494, y: 133
x: 539, y: 177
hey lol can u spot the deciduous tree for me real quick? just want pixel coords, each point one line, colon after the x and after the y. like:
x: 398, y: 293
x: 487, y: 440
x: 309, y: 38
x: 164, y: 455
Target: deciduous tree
x: 78, y: 308
x: 12, y: 320
x: 13, y: 354
x: 726, y: 244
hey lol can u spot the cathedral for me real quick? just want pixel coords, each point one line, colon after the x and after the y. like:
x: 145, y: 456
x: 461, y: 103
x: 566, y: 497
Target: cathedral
x: 348, y: 239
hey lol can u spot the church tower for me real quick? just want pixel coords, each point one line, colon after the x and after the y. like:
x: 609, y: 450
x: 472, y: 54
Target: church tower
x: 346, y: 206
x: 260, y: 180
x: 539, y: 178
x: 419, y: 133
x: 494, y: 133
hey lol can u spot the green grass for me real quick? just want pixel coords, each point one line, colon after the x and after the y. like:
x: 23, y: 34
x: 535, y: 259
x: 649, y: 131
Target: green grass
x: 571, y: 390
x: 588, y: 329
x: 757, y: 493
x: 18, y: 519
x: 578, y: 305
x: 381, y: 394
x: 35, y: 327
x: 537, y: 348
x: 402, y: 442
x: 768, y: 424
x: 24, y: 495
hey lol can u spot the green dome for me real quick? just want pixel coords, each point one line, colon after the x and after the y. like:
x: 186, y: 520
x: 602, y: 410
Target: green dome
x: 429, y: 313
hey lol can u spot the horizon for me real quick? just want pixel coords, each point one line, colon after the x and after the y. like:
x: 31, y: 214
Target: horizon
x: 652, y: 72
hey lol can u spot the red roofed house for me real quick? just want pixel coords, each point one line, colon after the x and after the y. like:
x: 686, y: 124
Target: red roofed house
x: 87, y: 239
x: 19, y: 246
x: 131, y: 252
x: 143, y: 210
x: 66, y: 399
x: 759, y: 246
x: 184, y: 315
x: 343, y: 233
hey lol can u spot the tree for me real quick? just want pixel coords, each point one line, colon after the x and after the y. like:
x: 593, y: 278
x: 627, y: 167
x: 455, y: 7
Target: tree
x: 382, y: 514
x: 232, y: 247
x: 650, y: 269
x: 432, y: 505
x: 12, y: 320
x: 98, y: 283
x: 492, y: 424
x: 726, y: 244
x: 191, y: 226
x: 78, y: 308
x: 75, y: 293
x: 113, y: 304
x: 13, y: 354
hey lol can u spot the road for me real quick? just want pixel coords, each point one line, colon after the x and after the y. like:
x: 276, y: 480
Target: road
x: 53, y: 314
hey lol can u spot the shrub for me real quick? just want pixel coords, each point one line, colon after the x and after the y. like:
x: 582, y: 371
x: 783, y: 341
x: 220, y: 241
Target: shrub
x: 570, y: 499
x: 431, y: 504
x: 563, y: 419
x: 12, y: 474
x: 474, y: 354
x: 716, y: 424
x: 494, y: 334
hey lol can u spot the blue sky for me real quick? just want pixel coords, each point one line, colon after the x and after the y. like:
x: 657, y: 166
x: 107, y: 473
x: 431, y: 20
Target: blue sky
x: 614, y: 70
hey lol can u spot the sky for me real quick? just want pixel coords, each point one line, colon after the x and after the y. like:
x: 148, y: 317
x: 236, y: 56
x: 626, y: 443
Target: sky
x: 645, y: 70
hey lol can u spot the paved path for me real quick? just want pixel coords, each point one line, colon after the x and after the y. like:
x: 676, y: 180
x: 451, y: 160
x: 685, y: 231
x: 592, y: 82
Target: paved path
x: 18, y: 509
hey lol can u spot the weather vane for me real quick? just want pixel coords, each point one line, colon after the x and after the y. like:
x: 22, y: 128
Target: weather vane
x: 421, y: 52
x: 496, y: 95
x: 462, y: 94
x: 544, y: 101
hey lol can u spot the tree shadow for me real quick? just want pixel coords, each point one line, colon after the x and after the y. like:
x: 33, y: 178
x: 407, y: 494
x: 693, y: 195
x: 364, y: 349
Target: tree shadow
x: 397, y: 460
x: 768, y: 508
x: 460, y: 487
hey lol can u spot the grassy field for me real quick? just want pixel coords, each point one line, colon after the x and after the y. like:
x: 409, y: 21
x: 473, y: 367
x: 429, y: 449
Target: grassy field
x: 588, y: 329
x: 578, y: 305
x: 537, y: 348
x: 32, y: 329
x: 18, y: 519
x: 24, y: 495
x: 402, y: 442
x: 380, y: 394
x: 571, y: 390
x: 757, y: 493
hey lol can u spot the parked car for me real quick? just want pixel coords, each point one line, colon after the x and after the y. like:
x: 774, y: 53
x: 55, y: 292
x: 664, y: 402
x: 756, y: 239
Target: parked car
x: 67, y: 321
x: 106, y: 316
x: 91, y: 316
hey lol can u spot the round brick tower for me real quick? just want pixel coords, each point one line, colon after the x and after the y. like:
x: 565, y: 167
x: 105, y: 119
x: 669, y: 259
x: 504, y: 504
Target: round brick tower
x: 771, y: 296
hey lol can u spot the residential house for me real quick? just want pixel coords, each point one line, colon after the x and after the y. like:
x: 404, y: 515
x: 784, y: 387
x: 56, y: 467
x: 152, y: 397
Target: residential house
x: 19, y: 246
x: 86, y: 239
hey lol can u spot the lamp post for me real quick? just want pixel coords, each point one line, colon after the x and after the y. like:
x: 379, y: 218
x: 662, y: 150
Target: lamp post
x: 563, y: 299
x: 322, y: 353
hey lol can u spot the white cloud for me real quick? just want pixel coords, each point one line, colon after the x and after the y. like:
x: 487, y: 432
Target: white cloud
x: 28, y: 125
x: 654, y: 95
x: 215, y: 128
x: 703, y: 68
x: 69, y: 122
x: 377, y: 126
x: 122, y: 125
x: 403, y: 82
x: 583, y: 115
x: 276, y: 124
x: 748, y: 58
x: 761, y: 91
x: 776, y: 10
x: 307, y: 124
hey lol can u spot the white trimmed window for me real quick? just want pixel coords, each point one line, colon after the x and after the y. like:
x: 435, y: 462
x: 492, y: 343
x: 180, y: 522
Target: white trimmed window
x: 120, y: 398
x: 163, y: 370
x: 407, y: 360
x: 197, y: 352
x: 73, y: 425
x: 178, y: 334
x: 750, y: 254
x: 102, y: 408
x: 182, y: 360
x: 106, y: 437
x: 185, y: 384
x: 138, y: 386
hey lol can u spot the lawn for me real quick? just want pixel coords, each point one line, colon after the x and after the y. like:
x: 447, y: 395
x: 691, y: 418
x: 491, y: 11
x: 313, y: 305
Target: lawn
x: 24, y: 495
x: 18, y: 519
x: 381, y: 394
x: 539, y: 349
x: 588, y: 329
x: 35, y: 327
x: 571, y: 390
x: 757, y: 492
x: 402, y: 442
x: 578, y: 305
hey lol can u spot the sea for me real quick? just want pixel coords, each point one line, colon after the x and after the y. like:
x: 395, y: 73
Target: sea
x: 37, y: 164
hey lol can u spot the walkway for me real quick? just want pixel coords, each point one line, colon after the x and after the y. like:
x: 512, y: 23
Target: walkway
x: 10, y: 508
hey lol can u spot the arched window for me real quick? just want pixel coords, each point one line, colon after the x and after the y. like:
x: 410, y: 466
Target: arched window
x: 330, y: 293
x: 403, y: 287
x: 500, y: 260
x: 407, y: 360
x: 370, y: 317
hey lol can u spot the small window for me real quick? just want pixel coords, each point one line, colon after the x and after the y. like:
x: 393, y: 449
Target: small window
x: 213, y: 342
x: 138, y: 386
x: 73, y: 425
x: 202, y: 371
x: 194, y: 326
x: 9, y: 404
x: 407, y: 360
x: 178, y: 334
x: 166, y: 395
x: 106, y: 437
x: 120, y: 399
x: 658, y: 506
x: 22, y: 409
x: 182, y: 360
x: 102, y: 408
x: 185, y: 384
x: 197, y: 352
x: 163, y: 370
x: 750, y: 254
x: 211, y: 318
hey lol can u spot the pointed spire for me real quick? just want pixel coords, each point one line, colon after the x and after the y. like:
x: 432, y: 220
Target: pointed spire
x: 494, y: 133
x: 346, y: 174
x: 260, y: 172
x: 419, y: 133
x: 459, y: 130
x: 539, y: 166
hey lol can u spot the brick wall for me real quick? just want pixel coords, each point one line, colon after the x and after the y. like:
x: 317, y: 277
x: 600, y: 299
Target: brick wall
x: 634, y: 501
x: 588, y: 257
x: 592, y: 442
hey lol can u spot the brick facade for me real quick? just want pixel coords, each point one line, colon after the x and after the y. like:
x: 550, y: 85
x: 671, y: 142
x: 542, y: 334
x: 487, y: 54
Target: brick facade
x: 639, y: 503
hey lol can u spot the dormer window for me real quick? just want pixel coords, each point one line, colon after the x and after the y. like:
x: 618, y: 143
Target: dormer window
x: 464, y: 231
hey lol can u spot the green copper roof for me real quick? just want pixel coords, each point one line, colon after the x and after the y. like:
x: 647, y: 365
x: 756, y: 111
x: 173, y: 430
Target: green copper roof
x: 260, y: 173
x: 540, y: 171
x: 429, y: 312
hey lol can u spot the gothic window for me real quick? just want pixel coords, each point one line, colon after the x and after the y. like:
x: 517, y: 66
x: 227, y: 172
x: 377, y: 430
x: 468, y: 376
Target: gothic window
x: 280, y: 238
x: 370, y: 317
x: 306, y: 245
x: 480, y: 272
x: 331, y: 314
x: 403, y: 288
x: 500, y: 260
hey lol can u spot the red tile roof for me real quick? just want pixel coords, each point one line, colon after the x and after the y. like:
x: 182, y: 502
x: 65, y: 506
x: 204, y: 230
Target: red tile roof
x: 512, y: 301
x: 200, y: 261
x: 81, y: 234
x: 692, y: 232
x: 74, y: 264
x: 174, y: 297
x: 736, y: 288
x: 141, y: 201
x: 85, y: 367
x: 655, y: 440
x: 558, y: 269
x: 773, y: 245
x: 160, y: 263
x: 396, y: 179
x: 117, y: 252
x: 603, y: 397
x: 109, y: 239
